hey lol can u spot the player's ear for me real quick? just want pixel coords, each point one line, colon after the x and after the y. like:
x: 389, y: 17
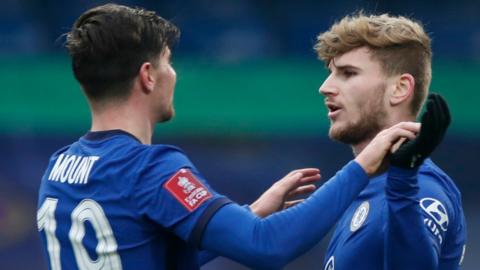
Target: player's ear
x: 145, y: 75
x: 401, y: 89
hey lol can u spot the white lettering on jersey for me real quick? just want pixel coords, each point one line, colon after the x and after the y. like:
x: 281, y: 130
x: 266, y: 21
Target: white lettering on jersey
x: 359, y: 216
x: 436, y: 211
x: 434, y: 229
x: 187, y: 186
x: 72, y: 169
x: 194, y: 194
x: 330, y: 265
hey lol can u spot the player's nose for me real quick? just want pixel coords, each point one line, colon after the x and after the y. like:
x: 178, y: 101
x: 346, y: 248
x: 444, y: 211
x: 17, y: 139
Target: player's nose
x: 328, y: 87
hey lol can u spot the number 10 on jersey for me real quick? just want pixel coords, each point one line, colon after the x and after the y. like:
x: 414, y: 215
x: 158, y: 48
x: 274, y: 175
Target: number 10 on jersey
x: 86, y: 210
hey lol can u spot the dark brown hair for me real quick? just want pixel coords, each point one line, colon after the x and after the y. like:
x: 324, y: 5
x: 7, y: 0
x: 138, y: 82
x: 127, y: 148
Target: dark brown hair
x: 108, y: 44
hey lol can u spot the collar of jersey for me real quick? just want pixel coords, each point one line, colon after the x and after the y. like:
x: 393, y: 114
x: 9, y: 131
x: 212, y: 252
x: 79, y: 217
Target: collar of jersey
x: 105, y: 134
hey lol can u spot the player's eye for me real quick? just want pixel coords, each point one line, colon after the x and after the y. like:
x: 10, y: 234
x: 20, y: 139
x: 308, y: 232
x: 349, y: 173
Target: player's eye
x: 349, y: 73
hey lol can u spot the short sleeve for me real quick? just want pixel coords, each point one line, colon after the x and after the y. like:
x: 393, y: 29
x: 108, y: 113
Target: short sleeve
x: 172, y: 193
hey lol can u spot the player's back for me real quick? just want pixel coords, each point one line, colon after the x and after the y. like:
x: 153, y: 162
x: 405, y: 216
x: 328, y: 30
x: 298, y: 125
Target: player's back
x: 93, y: 205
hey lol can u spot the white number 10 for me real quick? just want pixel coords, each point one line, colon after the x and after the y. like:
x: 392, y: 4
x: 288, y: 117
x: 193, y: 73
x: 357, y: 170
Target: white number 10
x: 90, y: 210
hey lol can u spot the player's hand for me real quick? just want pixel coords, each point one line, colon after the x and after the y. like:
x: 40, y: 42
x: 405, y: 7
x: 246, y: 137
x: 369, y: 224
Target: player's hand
x: 282, y: 194
x: 435, y: 122
x: 372, y: 156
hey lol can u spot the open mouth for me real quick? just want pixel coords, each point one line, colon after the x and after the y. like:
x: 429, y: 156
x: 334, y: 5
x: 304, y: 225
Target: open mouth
x: 333, y: 110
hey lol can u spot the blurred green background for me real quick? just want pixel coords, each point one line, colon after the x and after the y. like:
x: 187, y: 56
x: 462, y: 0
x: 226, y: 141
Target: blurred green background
x: 278, y: 96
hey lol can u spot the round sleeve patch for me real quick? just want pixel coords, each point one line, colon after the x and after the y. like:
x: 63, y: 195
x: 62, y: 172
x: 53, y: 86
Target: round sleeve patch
x: 435, y: 209
x: 189, y: 191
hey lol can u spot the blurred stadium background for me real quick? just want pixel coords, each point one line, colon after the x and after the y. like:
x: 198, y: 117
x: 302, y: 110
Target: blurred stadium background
x: 248, y: 109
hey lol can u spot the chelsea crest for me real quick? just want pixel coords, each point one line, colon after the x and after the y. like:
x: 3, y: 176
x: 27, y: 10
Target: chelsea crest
x: 359, y: 216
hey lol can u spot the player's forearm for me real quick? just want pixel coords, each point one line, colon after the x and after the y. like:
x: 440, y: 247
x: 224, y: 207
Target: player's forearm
x: 272, y: 242
x: 407, y: 242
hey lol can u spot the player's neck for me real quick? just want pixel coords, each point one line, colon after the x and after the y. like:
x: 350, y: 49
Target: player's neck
x: 358, y: 148
x: 392, y: 120
x: 132, y: 120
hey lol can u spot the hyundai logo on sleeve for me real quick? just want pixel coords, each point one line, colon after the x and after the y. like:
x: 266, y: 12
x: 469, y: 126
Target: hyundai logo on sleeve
x: 436, y: 211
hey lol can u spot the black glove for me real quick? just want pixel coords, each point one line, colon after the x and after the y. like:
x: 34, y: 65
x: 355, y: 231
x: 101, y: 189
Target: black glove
x: 435, y: 121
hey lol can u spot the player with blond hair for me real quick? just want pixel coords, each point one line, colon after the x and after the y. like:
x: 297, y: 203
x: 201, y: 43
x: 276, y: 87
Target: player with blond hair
x: 410, y: 214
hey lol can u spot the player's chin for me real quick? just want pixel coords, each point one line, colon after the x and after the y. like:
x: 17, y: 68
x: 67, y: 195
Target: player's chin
x: 335, y: 130
x: 339, y: 132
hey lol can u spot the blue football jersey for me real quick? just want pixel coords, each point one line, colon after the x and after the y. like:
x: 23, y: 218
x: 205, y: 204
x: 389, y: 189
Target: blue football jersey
x: 360, y: 239
x: 109, y: 202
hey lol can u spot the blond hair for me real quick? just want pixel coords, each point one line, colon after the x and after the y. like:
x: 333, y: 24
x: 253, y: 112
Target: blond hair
x: 398, y: 43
